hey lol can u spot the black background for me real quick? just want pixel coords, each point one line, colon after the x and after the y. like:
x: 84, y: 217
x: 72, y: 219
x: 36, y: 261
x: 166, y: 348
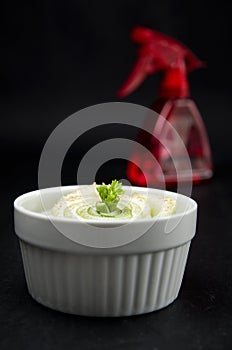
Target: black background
x: 59, y: 57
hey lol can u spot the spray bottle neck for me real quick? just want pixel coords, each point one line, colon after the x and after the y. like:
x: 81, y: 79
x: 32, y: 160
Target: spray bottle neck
x: 174, y: 83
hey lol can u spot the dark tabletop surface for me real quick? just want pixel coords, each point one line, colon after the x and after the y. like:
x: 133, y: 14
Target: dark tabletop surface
x: 200, y: 318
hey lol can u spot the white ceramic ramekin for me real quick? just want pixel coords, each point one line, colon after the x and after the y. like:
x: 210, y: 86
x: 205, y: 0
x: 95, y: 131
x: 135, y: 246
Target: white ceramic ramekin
x: 140, y: 276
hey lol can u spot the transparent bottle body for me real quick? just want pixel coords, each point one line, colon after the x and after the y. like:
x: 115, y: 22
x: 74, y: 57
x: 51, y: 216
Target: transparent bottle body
x: 181, y: 152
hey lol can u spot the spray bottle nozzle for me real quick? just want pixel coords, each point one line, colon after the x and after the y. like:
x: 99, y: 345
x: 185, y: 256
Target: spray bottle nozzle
x: 159, y: 52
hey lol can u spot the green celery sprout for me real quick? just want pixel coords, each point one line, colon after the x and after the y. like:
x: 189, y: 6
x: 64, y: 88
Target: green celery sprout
x: 109, y: 195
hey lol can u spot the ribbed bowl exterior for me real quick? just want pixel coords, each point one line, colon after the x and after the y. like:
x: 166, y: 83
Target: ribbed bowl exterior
x: 104, y: 285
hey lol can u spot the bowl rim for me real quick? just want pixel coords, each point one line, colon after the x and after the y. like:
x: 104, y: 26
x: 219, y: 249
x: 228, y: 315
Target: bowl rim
x: 42, y: 216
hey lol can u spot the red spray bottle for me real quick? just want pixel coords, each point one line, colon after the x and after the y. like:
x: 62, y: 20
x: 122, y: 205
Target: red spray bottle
x: 159, y: 52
